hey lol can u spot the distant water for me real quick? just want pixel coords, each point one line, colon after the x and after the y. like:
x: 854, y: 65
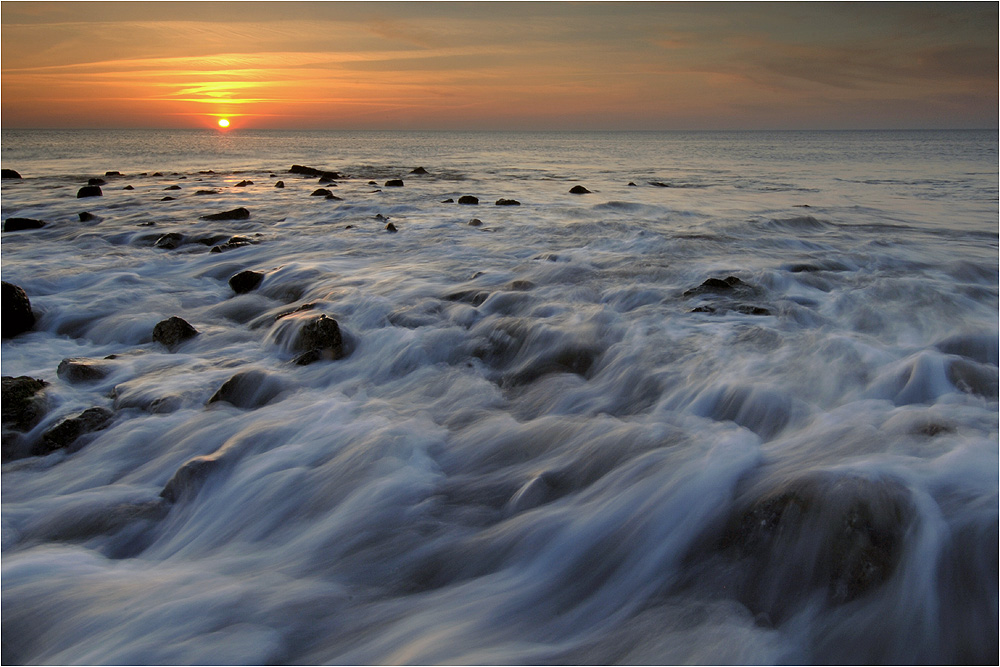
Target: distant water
x: 742, y: 411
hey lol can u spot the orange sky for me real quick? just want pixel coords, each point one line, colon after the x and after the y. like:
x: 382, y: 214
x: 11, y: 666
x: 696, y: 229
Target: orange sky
x: 424, y: 65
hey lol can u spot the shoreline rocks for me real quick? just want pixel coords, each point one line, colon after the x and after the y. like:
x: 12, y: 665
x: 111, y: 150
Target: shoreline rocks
x: 172, y: 331
x: 89, y: 191
x: 245, y: 281
x: 468, y: 200
x: 579, y: 190
x: 22, y: 224
x: 9, y: 173
x: 235, y: 214
x: 17, y: 316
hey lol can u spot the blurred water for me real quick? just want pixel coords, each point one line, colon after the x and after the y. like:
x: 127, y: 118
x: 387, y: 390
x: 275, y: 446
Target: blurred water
x: 549, y: 439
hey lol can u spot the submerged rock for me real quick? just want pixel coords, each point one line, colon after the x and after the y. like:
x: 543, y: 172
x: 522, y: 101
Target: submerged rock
x: 21, y: 224
x: 172, y: 331
x: 233, y: 243
x: 16, y: 310
x: 579, y: 190
x: 81, y: 370
x: 391, y: 228
x: 235, y: 214
x: 169, y: 241
x: 249, y: 389
x: 86, y: 216
x: 22, y: 403
x: 172, y: 187
x: 189, y: 478
x: 245, y: 281
x: 319, y: 339
x: 310, y: 171
x: 508, y: 202
x: 475, y: 222
x: 717, y: 285
x: 321, y: 192
x: 66, y: 432
x: 419, y: 170
x: 97, y: 181
x: 468, y: 200
x: 89, y: 191
x: 394, y: 183
x: 243, y: 184
x: 9, y: 173
x: 279, y: 184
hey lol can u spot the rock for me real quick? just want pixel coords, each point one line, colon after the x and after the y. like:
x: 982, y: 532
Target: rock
x: 468, y: 199
x: 508, y: 202
x: 169, y: 241
x: 20, y: 224
x: 391, y: 228
x: 716, y: 285
x: 97, y: 181
x: 449, y: 200
x: 394, y: 183
x: 87, y: 217
x: 319, y: 339
x: 81, y: 370
x: 333, y: 197
x: 279, y: 184
x: 632, y: 185
x: 419, y: 170
x: 249, y: 389
x: 304, y: 307
x: 172, y: 187
x: 321, y: 192
x: 659, y: 184
x: 9, y: 173
x: 245, y: 281
x: 128, y: 187
x: 112, y: 173
x: 17, y: 316
x: 156, y: 174
x: 207, y: 192
x: 168, y: 199
x: 232, y: 243
x: 172, y: 331
x: 243, y: 184
x: 22, y: 405
x: 235, y: 214
x: 309, y: 171
x: 66, y: 432
x: 372, y: 183
x: 579, y: 190
x: 189, y: 478
x: 89, y: 191
x: 475, y: 222
x: 521, y: 285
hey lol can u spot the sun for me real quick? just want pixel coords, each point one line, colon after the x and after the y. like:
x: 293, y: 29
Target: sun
x: 223, y: 123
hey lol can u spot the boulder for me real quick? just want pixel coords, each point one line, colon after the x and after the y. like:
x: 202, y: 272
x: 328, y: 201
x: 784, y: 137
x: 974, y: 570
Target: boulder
x: 394, y: 183
x: 9, y: 173
x: 169, y: 241
x: 243, y: 184
x: 66, y: 432
x: 86, y: 216
x: 128, y: 187
x: 508, y: 202
x: 167, y: 199
x: 245, y: 281
x: 187, y: 480
x: 390, y: 228
x: 112, y: 173
x: 249, y: 389
x: 475, y: 222
x: 20, y: 224
x: 207, y: 192
x: 718, y: 286
x: 279, y: 184
x: 419, y: 170
x: 319, y: 339
x: 22, y: 404
x: 468, y: 199
x: 97, y: 181
x: 81, y: 370
x: 17, y: 316
x: 235, y: 214
x: 333, y: 197
x: 309, y: 171
x: 579, y: 190
x: 233, y: 243
x: 89, y: 191
x: 172, y: 331
x: 172, y: 187
x: 449, y: 200
x: 321, y: 192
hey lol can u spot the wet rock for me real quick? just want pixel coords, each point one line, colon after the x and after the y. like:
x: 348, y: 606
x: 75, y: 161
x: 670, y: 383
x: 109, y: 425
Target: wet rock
x: 189, y: 478
x: 372, y: 183
x: 327, y: 180
x: 632, y: 185
x: 235, y: 214
x: 167, y: 199
x: 9, y: 173
x: 659, y: 184
x: 319, y: 339
x: 249, y: 390
x: 172, y: 331
x: 333, y: 197
x: 97, y: 181
x: 89, y: 191
x: 394, y: 183
x: 419, y: 170
x: 279, y: 184
x: 16, y: 310
x: 468, y: 200
x: 579, y: 190
x: 66, y: 432
x: 243, y: 184
x: 81, y: 370
x: 23, y: 402
x: 172, y: 187
x: 169, y: 241
x: 309, y: 171
x: 391, y: 228
x: 449, y: 200
x: 128, y: 187
x: 472, y: 297
x: 245, y: 281
x: 717, y: 285
x: 112, y: 173
x: 508, y: 202
x: 207, y: 192
x: 302, y: 308
x: 21, y: 224
x: 233, y: 243
x: 321, y: 192
x: 157, y: 174
x: 475, y: 222
x: 86, y: 216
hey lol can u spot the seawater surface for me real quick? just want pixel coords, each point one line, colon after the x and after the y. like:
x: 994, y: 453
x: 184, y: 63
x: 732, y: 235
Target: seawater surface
x: 742, y: 411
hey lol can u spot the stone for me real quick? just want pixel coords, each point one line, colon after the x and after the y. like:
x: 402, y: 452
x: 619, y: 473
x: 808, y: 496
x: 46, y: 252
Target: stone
x: 310, y: 171
x: 172, y: 331
x: 66, y: 432
x: 207, y: 192
x: 469, y: 200
x: 245, y: 281
x: 394, y: 183
x: 717, y: 285
x: 86, y: 216
x: 249, y: 389
x: 279, y: 184
x: 172, y: 187
x: 81, y: 370
x: 112, y: 173
x: 579, y: 190
x: 632, y: 185
x: 449, y: 200
x: 89, y: 191
x: 128, y: 187
x: 243, y: 184
x: 17, y: 316
x: 659, y: 184
x: 235, y: 214
x: 419, y: 170
x: 233, y: 243
x: 187, y: 480
x: 167, y: 199
x: 333, y: 197
x: 320, y: 192
x: 97, y: 181
x: 21, y: 224
x: 9, y: 173
x: 508, y: 202
x: 169, y: 241
x: 475, y: 222
x: 391, y: 228
x: 319, y: 339
x: 22, y: 404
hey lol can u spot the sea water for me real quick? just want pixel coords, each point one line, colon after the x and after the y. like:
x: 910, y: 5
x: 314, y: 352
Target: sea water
x: 736, y: 404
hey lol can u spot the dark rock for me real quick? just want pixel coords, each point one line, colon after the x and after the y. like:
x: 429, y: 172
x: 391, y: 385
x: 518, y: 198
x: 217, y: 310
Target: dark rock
x: 379, y: 216
x: 475, y: 222
x: 81, y: 370
x: 112, y: 173
x: 233, y: 243
x: 189, y: 478
x: 391, y: 228
x: 372, y: 183
x: 128, y: 187
x: 320, y: 192
x: 207, y: 192
x: 333, y: 197
x: 473, y: 297
x: 243, y: 184
x: 279, y: 184
x: 172, y: 331
x: 448, y: 201
x: 172, y: 187
x: 521, y: 285
x: 16, y: 308
x: 349, y: 227
x: 87, y: 217
x: 206, y: 172
x: 302, y: 308
x: 419, y: 170
x: 717, y: 286
x: 168, y: 199
x: 309, y: 171
x: 169, y: 241
x: 748, y: 309
x: 9, y: 173
x: 659, y: 184
x: 89, y: 191
x: 22, y: 404
x: 632, y: 185
x: 20, y: 224
x: 66, y: 432
x: 148, y: 223
x: 249, y: 389
x: 245, y: 281
x: 235, y: 214
x: 320, y: 339
x: 97, y: 181
x: 468, y: 199
x: 394, y: 183
x: 579, y: 190
x: 508, y: 202
x: 156, y: 173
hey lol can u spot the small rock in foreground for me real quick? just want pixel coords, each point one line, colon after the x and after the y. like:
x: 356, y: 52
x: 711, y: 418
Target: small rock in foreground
x: 235, y: 214
x: 172, y: 331
x: 89, y: 191
x: 579, y: 190
x: 66, y: 432
x: 16, y: 311
x: 21, y: 224
x: 245, y: 281
x: 468, y: 199
x: 9, y: 173
x: 320, y: 339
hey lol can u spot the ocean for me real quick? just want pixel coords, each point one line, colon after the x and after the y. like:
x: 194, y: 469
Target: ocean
x: 737, y: 403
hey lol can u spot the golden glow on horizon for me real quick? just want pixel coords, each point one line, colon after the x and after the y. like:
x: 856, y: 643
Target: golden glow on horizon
x: 223, y: 123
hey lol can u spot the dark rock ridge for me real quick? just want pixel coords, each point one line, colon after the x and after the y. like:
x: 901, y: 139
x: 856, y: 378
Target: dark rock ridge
x: 468, y: 199
x: 89, y: 191
x: 245, y: 281
x: 9, y: 173
x: 579, y: 190
x: 172, y: 331
x: 21, y: 224
x: 309, y: 171
x: 394, y: 183
x: 66, y: 432
x: 508, y: 202
x: 16, y: 310
x: 22, y: 404
x: 319, y: 339
x: 235, y: 214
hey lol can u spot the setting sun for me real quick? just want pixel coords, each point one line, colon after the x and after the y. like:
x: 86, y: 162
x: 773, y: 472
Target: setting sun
x: 223, y: 122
